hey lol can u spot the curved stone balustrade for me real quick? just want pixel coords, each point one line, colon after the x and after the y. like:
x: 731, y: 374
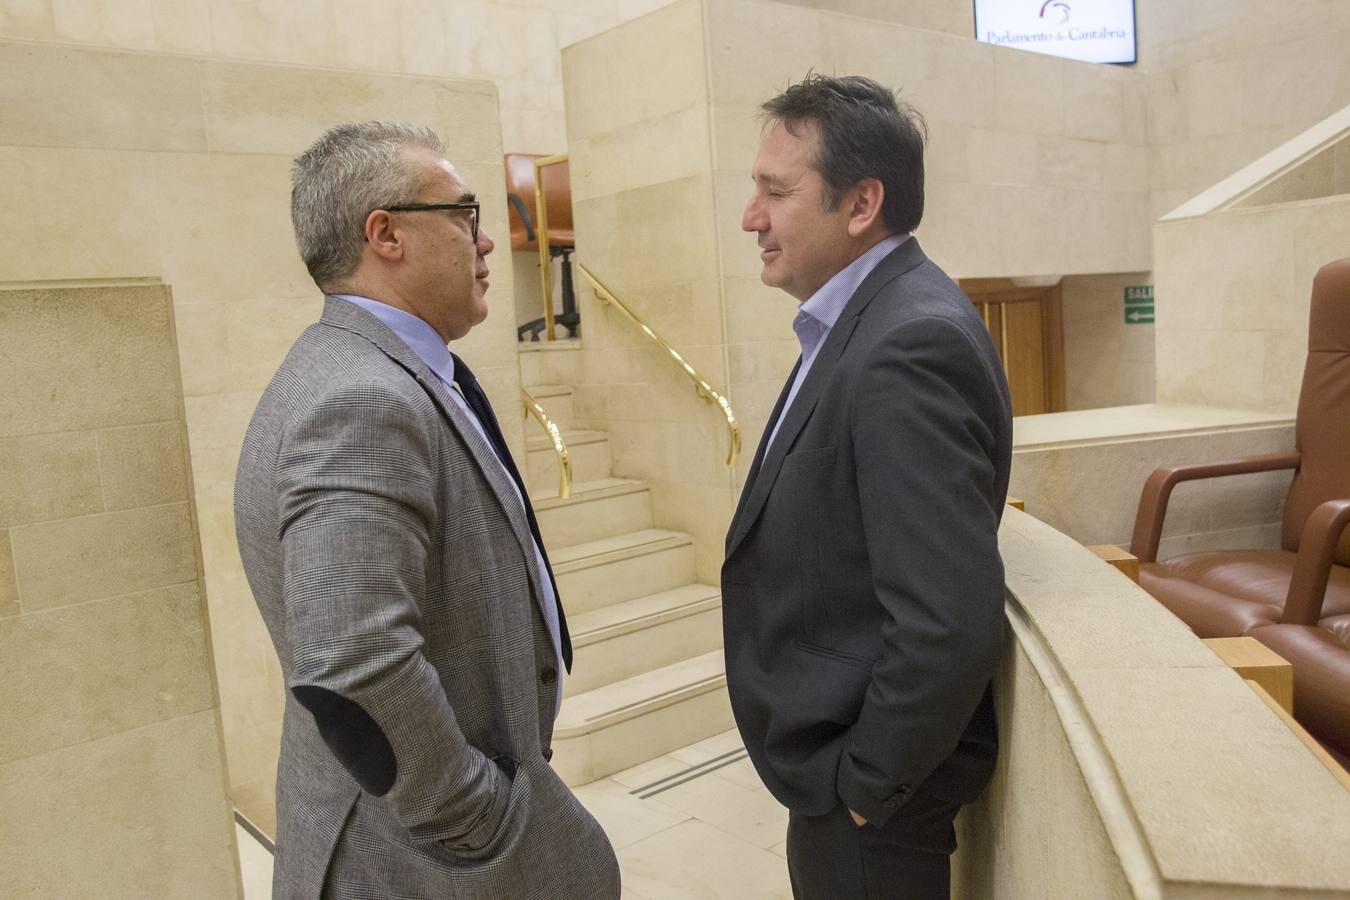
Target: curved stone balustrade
x: 1134, y: 763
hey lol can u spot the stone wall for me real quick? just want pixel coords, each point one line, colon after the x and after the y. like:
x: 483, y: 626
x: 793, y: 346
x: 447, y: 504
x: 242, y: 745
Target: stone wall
x: 1229, y: 81
x: 1235, y: 289
x: 513, y: 43
x: 112, y: 771
x: 953, y: 16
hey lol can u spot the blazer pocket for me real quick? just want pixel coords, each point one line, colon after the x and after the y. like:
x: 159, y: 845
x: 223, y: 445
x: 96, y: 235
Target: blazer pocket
x: 804, y: 460
x: 848, y: 659
x: 485, y: 839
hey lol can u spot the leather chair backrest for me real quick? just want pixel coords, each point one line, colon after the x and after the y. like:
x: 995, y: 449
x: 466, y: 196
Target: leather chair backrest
x: 1322, y: 431
x: 557, y: 193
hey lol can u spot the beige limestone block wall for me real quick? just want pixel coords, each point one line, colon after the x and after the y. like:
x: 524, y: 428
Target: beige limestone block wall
x: 130, y: 164
x: 953, y: 16
x: 1035, y: 165
x: 112, y: 769
x: 1107, y: 361
x: 513, y: 43
x: 1229, y: 81
x: 1132, y: 761
x: 1234, y: 287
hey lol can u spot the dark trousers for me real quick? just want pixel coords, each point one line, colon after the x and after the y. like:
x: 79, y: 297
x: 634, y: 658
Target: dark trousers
x: 830, y: 858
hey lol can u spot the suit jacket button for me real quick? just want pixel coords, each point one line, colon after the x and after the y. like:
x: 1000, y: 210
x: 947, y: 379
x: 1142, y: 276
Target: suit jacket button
x: 548, y: 754
x: 549, y: 675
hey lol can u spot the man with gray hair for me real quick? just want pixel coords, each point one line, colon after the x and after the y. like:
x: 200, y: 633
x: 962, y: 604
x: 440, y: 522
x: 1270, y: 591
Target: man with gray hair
x: 390, y: 544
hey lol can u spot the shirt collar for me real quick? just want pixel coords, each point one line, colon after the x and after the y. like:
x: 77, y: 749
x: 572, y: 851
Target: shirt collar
x: 420, y: 337
x: 826, y: 304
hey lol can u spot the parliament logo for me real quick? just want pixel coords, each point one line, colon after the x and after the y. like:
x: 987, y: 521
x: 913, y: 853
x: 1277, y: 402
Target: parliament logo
x: 1058, y: 5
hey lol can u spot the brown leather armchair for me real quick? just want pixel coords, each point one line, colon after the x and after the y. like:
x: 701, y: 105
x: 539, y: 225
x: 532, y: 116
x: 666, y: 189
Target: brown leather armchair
x: 1317, y: 644
x: 1296, y: 599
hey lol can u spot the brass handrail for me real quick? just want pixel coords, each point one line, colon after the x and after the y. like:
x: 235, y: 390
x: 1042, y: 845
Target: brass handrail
x: 701, y: 387
x: 533, y: 408
x: 541, y: 229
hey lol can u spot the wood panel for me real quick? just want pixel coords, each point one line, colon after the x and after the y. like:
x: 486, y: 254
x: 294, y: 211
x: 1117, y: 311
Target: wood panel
x: 1027, y: 327
x: 1255, y: 661
x: 1023, y: 351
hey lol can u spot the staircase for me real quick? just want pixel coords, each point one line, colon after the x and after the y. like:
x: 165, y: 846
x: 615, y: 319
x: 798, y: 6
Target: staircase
x: 647, y: 673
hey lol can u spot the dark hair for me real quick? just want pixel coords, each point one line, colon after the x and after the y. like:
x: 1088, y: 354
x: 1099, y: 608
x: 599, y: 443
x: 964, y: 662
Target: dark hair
x: 864, y: 133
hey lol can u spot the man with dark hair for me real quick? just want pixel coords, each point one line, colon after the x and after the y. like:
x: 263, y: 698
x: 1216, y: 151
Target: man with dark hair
x: 391, y: 547
x: 863, y: 589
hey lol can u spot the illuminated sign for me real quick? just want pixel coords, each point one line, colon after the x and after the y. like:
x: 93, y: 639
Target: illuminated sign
x: 1089, y: 30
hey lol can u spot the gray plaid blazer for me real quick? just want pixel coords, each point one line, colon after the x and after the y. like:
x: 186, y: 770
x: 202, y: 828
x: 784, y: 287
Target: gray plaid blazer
x: 392, y: 561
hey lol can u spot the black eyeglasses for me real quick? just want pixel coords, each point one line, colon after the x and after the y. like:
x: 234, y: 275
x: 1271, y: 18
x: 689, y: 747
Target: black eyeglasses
x: 472, y: 207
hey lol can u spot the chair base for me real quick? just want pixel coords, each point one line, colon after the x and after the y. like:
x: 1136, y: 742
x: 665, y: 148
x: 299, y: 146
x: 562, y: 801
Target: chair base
x: 569, y: 317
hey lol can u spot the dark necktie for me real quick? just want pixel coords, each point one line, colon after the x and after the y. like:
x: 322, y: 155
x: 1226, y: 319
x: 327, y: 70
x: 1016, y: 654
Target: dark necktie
x: 478, y: 402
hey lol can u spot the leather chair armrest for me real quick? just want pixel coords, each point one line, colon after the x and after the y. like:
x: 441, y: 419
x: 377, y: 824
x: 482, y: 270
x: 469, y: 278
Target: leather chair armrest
x: 1312, y: 568
x: 1148, y: 521
x: 523, y: 211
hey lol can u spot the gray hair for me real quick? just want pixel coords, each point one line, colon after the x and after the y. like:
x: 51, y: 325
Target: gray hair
x: 353, y: 169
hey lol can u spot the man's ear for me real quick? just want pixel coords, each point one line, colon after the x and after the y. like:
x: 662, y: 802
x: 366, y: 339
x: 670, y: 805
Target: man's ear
x: 865, y: 199
x: 382, y: 236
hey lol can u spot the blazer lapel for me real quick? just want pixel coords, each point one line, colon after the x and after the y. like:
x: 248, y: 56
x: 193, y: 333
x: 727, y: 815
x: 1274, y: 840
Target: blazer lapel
x: 757, y: 489
x: 757, y: 493
x: 758, y: 462
x: 350, y: 317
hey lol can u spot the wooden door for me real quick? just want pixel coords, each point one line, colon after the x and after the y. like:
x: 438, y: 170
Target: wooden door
x: 1026, y: 326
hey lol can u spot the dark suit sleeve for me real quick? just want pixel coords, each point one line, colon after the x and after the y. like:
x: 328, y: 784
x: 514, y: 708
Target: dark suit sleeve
x: 922, y: 421
x: 355, y: 478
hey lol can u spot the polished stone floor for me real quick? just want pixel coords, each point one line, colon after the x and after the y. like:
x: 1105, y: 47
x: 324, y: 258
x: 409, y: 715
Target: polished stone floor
x: 692, y: 825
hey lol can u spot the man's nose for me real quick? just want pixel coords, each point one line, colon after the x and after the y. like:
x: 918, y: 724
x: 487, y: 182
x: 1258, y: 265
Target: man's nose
x: 753, y: 217
x: 485, y: 243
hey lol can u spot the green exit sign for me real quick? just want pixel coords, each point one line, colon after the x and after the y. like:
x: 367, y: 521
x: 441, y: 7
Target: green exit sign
x: 1139, y: 304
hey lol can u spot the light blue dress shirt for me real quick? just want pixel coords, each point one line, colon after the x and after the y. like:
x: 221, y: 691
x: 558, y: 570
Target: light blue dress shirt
x: 817, y: 315
x: 423, y: 340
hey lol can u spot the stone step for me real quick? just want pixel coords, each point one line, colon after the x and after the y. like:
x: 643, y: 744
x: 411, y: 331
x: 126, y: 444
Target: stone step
x: 614, y: 569
x: 549, y: 362
x: 557, y: 401
x: 626, y: 639
x: 588, y: 450
x: 596, y: 509
x: 617, y: 726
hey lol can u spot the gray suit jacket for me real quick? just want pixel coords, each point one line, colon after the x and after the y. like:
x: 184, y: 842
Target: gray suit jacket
x: 863, y: 590
x: 393, y: 564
